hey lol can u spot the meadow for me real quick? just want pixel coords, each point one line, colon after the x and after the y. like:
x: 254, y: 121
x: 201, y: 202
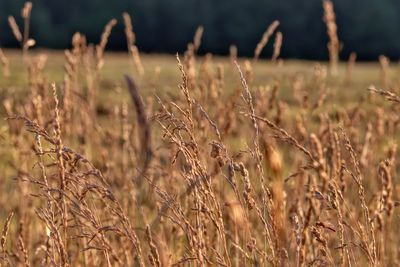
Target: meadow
x: 133, y: 159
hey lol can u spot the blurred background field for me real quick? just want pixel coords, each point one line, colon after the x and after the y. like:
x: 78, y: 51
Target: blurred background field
x: 119, y: 63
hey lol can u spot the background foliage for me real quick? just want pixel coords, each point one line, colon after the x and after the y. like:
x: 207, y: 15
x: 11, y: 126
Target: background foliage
x: 368, y: 27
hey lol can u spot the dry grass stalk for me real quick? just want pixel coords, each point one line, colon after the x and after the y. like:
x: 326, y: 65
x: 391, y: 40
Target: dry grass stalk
x: 23, y: 250
x: 369, y: 239
x: 26, y: 14
x: 15, y: 29
x: 387, y: 94
x: 189, y: 63
x: 248, y: 98
x: 197, y: 38
x: 57, y: 136
x: 387, y: 187
x: 333, y: 45
x: 154, y: 255
x: 5, y: 64
x: 4, y: 233
x: 277, y: 46
x: 350, y: 67
x: 136, y: 59
x: 132, y: 48
x: 61, y: 165
x: 286, y: 137
x: 265, y: 38
x: 144, y: 126
x: 130, y: 35
x: 233, y: 53
x: 384, y: 62
x: 100, y: 48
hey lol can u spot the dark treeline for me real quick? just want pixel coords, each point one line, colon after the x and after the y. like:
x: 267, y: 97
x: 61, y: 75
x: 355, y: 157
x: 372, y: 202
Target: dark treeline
x: 368, y: 27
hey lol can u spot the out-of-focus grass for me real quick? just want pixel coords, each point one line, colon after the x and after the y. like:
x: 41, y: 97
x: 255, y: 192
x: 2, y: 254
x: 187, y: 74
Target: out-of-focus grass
x: 112, y: 88
x: 118, y: 64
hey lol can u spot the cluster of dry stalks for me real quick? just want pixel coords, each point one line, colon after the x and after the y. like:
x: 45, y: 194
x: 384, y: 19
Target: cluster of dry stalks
x: 209, y: 176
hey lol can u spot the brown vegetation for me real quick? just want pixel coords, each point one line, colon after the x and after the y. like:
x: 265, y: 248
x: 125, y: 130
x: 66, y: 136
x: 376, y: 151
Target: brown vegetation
x: 207, y: 175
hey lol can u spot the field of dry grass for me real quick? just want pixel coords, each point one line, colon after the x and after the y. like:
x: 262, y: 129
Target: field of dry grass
x: 127, y: 159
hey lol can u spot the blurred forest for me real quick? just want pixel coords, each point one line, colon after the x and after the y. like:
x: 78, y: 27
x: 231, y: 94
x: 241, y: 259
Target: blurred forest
x: 367, y: 27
